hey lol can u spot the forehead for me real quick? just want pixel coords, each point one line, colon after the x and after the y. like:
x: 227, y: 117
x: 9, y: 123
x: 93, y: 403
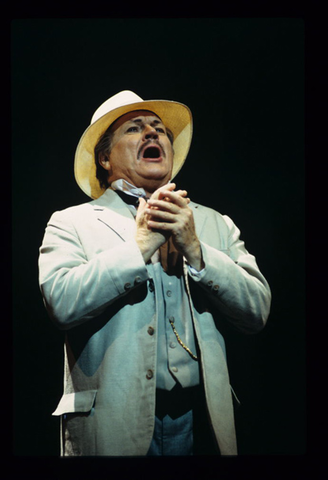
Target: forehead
x: 136, y: 116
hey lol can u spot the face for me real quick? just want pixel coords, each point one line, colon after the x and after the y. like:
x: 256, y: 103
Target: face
x: 141, y: 151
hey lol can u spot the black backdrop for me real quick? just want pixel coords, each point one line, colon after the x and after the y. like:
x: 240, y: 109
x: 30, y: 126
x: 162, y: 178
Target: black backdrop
x: 243, y: 79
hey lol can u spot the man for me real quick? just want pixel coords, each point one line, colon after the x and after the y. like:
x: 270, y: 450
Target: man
x: 140, y: 279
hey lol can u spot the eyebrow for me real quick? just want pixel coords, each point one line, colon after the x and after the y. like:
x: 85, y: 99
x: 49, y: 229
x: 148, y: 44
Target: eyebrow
x: 154, y: 122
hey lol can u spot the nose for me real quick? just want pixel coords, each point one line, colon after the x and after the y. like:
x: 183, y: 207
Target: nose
x: 150, y: 133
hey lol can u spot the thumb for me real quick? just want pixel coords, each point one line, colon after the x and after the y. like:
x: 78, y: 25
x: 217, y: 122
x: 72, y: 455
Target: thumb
x: 142, y: 206
x: 142, y: 203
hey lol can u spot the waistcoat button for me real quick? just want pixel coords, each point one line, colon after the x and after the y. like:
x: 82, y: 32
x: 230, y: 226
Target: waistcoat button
x: 150, y: 374
x: 150, y: 330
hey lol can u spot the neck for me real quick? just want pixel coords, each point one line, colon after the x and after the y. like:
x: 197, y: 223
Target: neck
x: 149, y: 186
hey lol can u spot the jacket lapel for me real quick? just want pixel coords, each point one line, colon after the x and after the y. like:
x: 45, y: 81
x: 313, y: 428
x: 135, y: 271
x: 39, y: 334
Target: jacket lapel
x: 113, y: 212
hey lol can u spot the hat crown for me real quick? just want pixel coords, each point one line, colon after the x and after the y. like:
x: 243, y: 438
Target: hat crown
x: 126, y: 97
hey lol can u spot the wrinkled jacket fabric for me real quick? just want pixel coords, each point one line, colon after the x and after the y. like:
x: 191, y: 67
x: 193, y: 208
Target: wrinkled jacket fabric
x: 96, y: 287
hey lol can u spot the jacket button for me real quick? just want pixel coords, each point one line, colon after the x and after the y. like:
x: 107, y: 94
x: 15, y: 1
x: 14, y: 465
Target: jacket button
x: 169, y: 293
x: 150, y: 374
x: 127, y: 286
x: 216, y: 288
x: 210, y: 283
x: 150, y: 330
x: 137, y: 280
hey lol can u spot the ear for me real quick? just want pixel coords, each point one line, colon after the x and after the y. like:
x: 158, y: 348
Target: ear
x: 104, y: 161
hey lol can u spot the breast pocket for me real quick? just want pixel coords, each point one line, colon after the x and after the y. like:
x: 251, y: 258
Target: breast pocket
x: 77, y: 402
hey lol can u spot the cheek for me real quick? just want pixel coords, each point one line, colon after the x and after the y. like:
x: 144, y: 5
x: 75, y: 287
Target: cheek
x: 122, y: 151
x: 128, y: 149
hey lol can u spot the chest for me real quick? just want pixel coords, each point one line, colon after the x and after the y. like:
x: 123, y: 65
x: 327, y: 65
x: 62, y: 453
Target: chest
x: 101, y: 230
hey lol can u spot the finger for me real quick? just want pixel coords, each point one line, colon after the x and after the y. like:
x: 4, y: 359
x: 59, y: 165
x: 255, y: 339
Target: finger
x: 164, y: 226
x: 182, y: 193
x: 168, y: 187
x: 174, y: 197
x: 162, y: 205
x: 142, y: 204
x: 164, y: 194
x: 161, y: 215
x: 141, y: 208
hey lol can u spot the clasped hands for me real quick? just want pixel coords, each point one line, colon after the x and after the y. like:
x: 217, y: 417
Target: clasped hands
x: 167, y: 214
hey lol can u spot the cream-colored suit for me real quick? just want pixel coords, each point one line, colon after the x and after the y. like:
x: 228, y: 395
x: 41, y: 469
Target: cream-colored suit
x: 96, y: 287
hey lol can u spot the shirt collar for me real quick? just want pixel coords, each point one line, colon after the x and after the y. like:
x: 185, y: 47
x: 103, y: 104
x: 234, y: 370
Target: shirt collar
x: 128, y: 188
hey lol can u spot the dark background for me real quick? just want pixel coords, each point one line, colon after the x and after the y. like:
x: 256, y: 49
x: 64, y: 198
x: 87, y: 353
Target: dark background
x: 243, y: 79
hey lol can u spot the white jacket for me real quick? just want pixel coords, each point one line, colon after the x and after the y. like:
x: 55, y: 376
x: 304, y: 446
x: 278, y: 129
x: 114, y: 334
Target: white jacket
x: 96, y: 287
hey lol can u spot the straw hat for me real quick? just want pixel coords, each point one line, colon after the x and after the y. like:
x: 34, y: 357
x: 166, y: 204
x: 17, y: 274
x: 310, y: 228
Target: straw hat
x: 176, y: 116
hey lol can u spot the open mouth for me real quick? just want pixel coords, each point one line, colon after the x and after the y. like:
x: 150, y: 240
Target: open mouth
x: 153, y: 152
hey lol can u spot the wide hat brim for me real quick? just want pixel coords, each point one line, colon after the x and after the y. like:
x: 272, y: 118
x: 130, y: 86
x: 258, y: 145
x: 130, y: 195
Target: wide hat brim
x: 176, y: 116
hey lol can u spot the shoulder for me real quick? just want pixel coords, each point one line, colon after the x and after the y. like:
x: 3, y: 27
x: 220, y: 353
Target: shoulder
x: 84, y: 209
x: 73, y: 211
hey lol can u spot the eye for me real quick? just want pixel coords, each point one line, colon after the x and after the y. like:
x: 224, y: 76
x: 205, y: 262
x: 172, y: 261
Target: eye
x: 160, y: 130
x: 132, y: 129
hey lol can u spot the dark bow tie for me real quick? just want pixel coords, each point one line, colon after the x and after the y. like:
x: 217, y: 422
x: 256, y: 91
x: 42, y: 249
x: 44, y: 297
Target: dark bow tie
x: 129, y: 199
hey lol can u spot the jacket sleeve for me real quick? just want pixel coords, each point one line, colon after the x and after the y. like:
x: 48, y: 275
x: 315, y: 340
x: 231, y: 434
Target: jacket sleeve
x: 76, y: 289
x: 234, y: 283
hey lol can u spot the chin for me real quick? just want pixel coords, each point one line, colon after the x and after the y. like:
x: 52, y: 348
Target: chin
x: 156, y: 175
